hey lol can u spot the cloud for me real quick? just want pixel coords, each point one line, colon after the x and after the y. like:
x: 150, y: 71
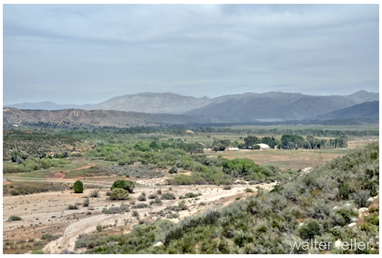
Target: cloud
x: 198, y: 49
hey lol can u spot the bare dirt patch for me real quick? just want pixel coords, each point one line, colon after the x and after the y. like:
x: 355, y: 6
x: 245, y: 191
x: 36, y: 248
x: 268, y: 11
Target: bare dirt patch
x: 48, y: 213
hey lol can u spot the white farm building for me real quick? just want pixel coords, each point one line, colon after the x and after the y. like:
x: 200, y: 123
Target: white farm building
x: 263, y: 146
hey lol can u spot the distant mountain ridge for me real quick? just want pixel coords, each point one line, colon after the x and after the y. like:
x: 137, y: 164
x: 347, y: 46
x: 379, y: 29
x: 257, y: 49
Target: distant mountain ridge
x: 238, y: 108
x: 364, y: 110
x: 154, y: 103
x: 250, y: 107
x: 47, y: 105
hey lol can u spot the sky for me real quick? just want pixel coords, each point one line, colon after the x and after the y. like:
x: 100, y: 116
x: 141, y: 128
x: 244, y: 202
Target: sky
x: 77, y: 54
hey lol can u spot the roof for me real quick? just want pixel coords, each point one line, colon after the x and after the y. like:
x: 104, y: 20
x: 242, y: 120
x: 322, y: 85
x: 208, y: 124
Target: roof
x: 263, y: 145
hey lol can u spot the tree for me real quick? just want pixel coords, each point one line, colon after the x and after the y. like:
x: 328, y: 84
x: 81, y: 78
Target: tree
x: 124, y: 184
x: 17, y: 154
x: 78, y: 187
x: 290, y: 141
x: 251, y: 140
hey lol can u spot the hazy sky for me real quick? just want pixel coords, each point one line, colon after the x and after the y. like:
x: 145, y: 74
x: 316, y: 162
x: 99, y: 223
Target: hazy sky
x: 77, y: 54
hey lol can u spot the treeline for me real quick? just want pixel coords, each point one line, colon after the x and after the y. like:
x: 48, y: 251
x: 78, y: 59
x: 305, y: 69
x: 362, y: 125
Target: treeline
x: 290, y: 141
x: 36, y: 144
x: 174, y: 153
x: 181, y: 130
x: 287, y: 141
x: 318, y: 206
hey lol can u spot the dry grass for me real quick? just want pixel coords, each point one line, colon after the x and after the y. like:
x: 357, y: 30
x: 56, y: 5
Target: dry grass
x: 284, y: 159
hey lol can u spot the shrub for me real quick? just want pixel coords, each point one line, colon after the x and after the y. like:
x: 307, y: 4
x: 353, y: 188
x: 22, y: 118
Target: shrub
x: 117, y: 210
x: 173, y: 170
x: 227, y: 187
x: 156, y: 202
x: 124, y: 184
x: 360, y: 197
x: 172, y: 215
x: 249, y: 190
x: 14, y: 218
x: 72, y: 207
x: 373, y: 209
x: 119, y: 194
x: 141, y: 198
x: 94, y: 194
x: 309, y: 230
x: 159, y: 192
x: 182, y: 205
x: 15, y: 192
x: 190, y: 195
x: 168, y: 196
x: 135, y: 214
x: 47, y: 237
x: 86, y: 202
x: 78, y: 187
x: 140, y: 206
x: 99, y: 228
x: 152, y: 196
x: 373, y: 220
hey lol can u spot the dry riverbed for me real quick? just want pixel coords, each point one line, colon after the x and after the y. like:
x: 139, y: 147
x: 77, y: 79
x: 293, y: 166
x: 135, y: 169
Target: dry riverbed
x: 47, y: 212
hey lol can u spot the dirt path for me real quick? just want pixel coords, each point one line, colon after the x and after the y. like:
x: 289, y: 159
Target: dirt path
x: 59, y: 174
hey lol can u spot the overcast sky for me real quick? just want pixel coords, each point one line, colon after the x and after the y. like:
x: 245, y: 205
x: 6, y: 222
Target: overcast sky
x: 77, y: 54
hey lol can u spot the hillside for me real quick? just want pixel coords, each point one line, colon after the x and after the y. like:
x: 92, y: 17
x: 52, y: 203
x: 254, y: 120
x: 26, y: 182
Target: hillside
x: 336, y: 201
x: 363, y: 110
x: 152, y: 103
x: 250, y: 107
x: 96, y: 118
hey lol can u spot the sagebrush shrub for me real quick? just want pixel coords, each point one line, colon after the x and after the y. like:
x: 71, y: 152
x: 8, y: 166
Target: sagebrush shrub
x: 168, y: 196
x: 14, y: 218
x: 119, y: 194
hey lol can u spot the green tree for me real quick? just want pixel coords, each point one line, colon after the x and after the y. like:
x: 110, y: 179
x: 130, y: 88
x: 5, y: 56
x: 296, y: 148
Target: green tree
x: 124, y: 184
x: 78, y: 187
x: 251, y: 140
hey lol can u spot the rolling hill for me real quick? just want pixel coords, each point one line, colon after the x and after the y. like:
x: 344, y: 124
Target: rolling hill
x: 70, y: 118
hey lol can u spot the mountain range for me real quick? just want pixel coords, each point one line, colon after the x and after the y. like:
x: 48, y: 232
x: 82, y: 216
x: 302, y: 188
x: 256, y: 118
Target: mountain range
x: 238, y: 108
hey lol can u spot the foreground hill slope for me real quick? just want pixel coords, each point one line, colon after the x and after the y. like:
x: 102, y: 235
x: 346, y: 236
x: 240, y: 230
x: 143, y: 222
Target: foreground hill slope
x: 332, y: 202
x: 96, y: 118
